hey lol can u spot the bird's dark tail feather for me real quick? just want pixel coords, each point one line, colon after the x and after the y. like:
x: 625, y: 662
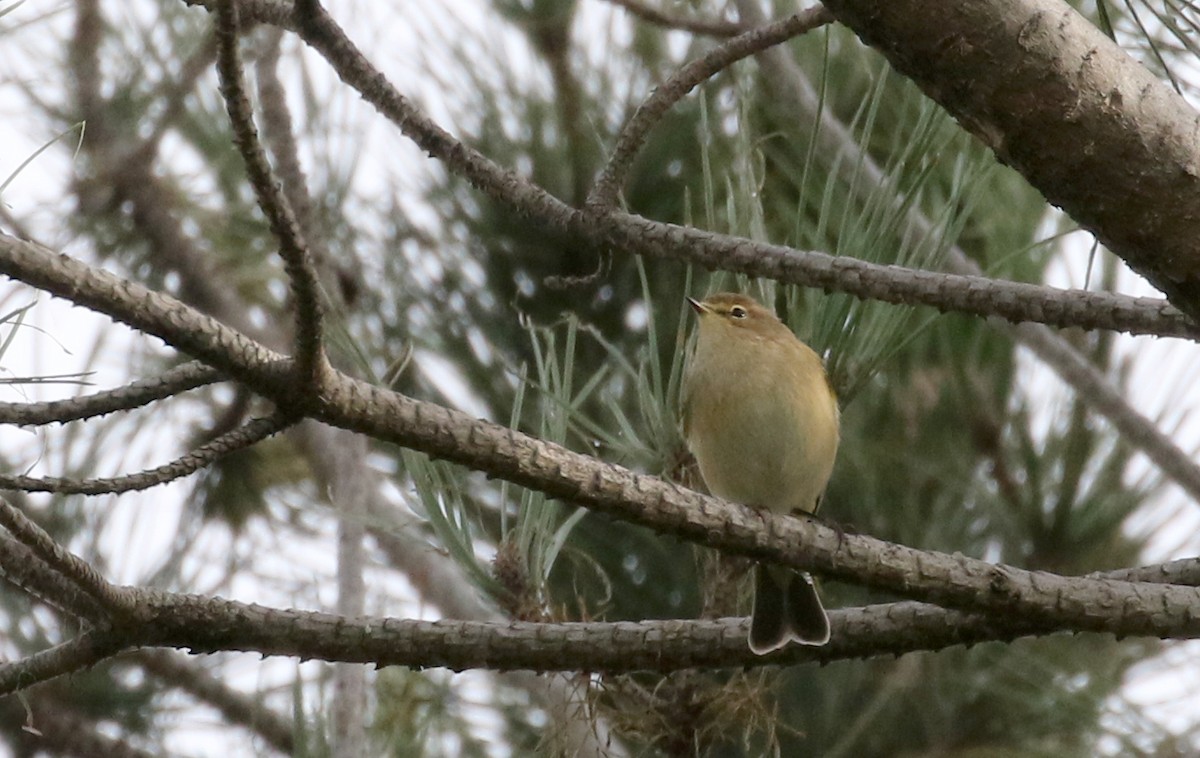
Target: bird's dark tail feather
x: 786, y: 608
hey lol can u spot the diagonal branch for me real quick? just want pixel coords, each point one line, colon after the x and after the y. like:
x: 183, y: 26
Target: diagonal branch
x: 633, y: 136
x: 340, y: 281
x: 84, y: 651
x: 1103, y: 398
x: 1060, y: 102
x: 953, y: 581
x: 603, y: 228
x: 20, y: 566
x: 307, y: 308
x: 112, y: 599
x: 961, y: 293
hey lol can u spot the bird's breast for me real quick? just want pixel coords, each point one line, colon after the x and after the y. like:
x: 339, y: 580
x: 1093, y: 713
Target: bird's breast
x: 765, y: 439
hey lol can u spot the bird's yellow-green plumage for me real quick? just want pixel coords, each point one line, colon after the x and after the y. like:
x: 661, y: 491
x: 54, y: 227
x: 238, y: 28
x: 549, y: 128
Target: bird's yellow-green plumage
x: 762, y: 420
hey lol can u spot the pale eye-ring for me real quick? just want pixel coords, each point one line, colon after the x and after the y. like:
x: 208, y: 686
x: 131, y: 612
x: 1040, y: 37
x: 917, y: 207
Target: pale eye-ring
x: 737, y: 311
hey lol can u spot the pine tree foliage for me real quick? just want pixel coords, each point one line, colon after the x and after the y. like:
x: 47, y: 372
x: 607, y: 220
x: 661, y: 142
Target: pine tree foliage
x: 443, y: 293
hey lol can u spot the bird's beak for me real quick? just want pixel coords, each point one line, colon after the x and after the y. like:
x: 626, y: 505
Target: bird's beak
x: 698, y: 306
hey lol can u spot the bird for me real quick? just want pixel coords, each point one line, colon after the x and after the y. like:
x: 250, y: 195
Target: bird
x: 762, y: 420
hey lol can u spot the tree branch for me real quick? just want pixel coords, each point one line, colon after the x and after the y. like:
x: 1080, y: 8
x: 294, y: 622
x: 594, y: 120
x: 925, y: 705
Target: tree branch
x: 975, y: 295
x: 188, y: 376
x: 308, y: 308
x: 631, y: 234
x: 24, y: 569
x: 243, y: 437
x: 450, y: 435
x: 1060, y: 102
x: 206, y: 625
x: 633, y: 136
x: 113, y: 600
x: 84, y: 651
x: 654, y: 16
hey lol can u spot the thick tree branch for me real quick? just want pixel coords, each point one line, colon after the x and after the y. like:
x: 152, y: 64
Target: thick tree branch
x: 205, y: 625
x: 603, y: 228
x: 73, y: 568
x: 1057, y: 100
x: 953, y: 581
x: 21, y: 566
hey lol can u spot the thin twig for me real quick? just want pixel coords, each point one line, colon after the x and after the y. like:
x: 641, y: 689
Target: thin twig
x: 174, y: 93
x: 1099, y: 394
x: 719, y: 28
x: 280, y: 139
x: 650, y: 112
x: 243, y: 437
x: 84, y: 651
x: 180, y: 379
x: 279, y: 136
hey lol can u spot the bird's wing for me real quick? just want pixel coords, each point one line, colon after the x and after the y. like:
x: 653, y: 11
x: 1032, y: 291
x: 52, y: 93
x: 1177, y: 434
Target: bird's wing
x: 685, y: 409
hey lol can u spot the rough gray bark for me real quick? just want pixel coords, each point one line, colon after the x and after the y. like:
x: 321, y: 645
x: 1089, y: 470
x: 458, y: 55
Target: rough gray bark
x: 1054, y: 98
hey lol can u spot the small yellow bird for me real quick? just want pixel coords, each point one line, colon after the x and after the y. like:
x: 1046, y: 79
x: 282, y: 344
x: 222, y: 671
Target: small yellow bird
x: 761, y: 418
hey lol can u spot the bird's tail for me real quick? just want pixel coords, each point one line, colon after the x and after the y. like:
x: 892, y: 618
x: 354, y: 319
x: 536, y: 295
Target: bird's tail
x: 786, y: 608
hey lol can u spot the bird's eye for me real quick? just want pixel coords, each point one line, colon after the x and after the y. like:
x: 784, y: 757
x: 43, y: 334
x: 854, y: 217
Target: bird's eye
x: 737, y: 311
